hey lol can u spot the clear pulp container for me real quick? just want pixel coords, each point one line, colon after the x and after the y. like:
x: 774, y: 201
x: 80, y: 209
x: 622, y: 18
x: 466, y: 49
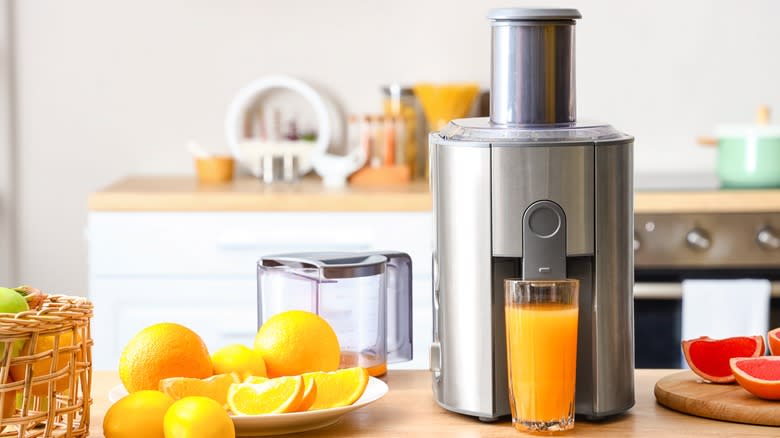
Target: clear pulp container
x: 365, y: 297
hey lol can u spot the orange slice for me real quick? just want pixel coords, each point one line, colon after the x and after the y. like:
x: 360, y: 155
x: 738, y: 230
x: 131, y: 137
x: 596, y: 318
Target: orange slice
x: 214, y: 387
x: 309, y: 393
x: 274, y: 396
x: 758, y: 375
x: 338, y: 388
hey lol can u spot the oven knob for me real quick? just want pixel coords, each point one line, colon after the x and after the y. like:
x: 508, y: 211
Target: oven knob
x: 767, y: 238
x: 698, y: 239
x: 637, y: 243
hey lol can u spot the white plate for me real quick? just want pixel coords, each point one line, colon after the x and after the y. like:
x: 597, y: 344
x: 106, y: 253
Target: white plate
x: 276, y: 424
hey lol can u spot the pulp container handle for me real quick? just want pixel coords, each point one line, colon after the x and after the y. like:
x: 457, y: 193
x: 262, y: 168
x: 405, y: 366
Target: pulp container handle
x: 399, y: 344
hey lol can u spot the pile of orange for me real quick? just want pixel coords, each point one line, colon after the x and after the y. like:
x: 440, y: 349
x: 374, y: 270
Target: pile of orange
x: 174, y: 383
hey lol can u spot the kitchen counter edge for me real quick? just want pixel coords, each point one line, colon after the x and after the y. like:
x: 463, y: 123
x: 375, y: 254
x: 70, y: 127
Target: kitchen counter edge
x: 184, y: 194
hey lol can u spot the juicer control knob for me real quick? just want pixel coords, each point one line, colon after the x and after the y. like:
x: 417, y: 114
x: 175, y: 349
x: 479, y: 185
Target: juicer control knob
x: 698, y: 239
x: 767, y: 238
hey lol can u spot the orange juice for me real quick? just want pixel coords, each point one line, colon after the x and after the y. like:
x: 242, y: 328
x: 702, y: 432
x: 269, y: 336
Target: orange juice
x: 542, y: 353
x: 373, y: 365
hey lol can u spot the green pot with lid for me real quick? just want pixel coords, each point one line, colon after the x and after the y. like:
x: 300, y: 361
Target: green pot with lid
x: 749, y: 155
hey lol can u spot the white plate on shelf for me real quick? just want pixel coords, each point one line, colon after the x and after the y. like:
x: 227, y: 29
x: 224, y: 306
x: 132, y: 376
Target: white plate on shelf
x: 277, y: 424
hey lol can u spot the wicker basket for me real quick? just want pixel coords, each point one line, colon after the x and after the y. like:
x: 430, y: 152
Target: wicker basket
x: 45, y: 388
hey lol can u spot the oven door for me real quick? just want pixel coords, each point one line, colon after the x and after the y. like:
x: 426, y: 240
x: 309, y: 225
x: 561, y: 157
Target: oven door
x: 658, y: 321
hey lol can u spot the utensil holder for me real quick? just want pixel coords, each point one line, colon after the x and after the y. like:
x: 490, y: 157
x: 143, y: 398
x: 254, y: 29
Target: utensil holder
x: 49, y: 380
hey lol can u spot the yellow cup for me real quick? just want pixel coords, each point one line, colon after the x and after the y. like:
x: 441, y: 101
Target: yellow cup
x: 215, y: 169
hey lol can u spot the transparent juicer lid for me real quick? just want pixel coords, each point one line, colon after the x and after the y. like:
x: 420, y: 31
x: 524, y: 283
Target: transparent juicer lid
x: 481, y: 129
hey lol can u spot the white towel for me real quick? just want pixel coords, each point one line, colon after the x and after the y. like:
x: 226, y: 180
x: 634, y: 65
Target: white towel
x: 725, y: 308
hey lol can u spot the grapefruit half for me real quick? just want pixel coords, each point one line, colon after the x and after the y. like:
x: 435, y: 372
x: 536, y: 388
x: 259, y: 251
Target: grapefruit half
x: 774, y: 341
x: 760, y: 376
x: 709, y: 358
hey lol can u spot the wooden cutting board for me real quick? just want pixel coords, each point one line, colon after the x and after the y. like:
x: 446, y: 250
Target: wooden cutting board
x: 685, y: 392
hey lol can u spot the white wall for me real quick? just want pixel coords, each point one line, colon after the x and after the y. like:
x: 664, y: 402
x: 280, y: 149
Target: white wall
x: 7, y: 165
x: 108, y: 88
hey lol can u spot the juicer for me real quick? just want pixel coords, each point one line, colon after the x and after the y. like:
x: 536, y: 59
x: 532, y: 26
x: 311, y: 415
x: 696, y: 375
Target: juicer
x: 531, y: 192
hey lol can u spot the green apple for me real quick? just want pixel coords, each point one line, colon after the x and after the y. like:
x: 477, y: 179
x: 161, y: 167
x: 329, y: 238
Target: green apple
x: 12, y: 301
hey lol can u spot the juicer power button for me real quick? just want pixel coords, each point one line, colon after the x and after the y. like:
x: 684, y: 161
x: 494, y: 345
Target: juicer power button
x: 544, y: 241
x: 544, y: 221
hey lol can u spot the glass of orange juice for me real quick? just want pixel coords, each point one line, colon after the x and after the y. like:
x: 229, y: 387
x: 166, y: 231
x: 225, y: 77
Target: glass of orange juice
x: 541, y: 347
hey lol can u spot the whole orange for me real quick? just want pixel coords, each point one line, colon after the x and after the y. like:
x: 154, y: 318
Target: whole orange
x: 8, y: 406
x: 42, y: 366
x: 297, y: 342
x: 237, y: 358
x: 139, y: 414
x: 161, y: 351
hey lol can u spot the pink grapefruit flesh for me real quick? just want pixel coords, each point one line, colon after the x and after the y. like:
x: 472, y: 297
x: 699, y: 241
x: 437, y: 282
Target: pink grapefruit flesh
x: 758, y: 375
x: 709, y: 358
x: 774, y: 341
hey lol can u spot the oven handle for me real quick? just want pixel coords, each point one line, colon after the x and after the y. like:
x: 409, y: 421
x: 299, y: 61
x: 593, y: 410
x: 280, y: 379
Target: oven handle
x: 673, y: 291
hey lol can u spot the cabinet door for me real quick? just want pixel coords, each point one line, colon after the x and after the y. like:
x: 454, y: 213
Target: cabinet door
x: 176, y: 244
x: 221, y: 311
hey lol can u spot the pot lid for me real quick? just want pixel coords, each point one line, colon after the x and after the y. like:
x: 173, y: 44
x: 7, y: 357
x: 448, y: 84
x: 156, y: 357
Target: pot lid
x: 330, y: 264
x: 742, y: 131
x: 761, y: 129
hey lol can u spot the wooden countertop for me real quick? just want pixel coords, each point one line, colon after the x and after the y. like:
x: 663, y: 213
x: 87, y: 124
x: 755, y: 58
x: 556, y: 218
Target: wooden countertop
x: 248, y: 194
x: 183, y: 193
x: 410, y: 410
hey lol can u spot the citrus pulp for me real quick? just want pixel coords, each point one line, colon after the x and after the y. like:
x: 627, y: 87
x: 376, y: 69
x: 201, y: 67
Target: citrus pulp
x: 338, y: 388
x: 758, y: 375
x: 274, y: 396
x: 709, y: 358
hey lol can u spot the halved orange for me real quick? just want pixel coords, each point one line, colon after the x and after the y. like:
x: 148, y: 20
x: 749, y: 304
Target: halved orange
x: 214, y: 387
x: 774, y: 341
x: 758, y: 375
x: 338, y: 388
x: 274, y: 396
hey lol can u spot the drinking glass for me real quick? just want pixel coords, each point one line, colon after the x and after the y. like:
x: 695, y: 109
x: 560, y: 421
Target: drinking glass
x: 541, y: 346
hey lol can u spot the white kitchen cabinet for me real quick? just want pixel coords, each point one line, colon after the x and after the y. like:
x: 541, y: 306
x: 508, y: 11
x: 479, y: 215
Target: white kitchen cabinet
x: 198, y: 269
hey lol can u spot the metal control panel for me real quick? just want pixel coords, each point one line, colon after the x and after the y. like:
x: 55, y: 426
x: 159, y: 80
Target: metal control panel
x: 707, y: 240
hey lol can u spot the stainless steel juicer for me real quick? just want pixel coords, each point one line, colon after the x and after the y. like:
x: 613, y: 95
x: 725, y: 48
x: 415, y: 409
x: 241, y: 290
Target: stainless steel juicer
x: 532, y: 193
